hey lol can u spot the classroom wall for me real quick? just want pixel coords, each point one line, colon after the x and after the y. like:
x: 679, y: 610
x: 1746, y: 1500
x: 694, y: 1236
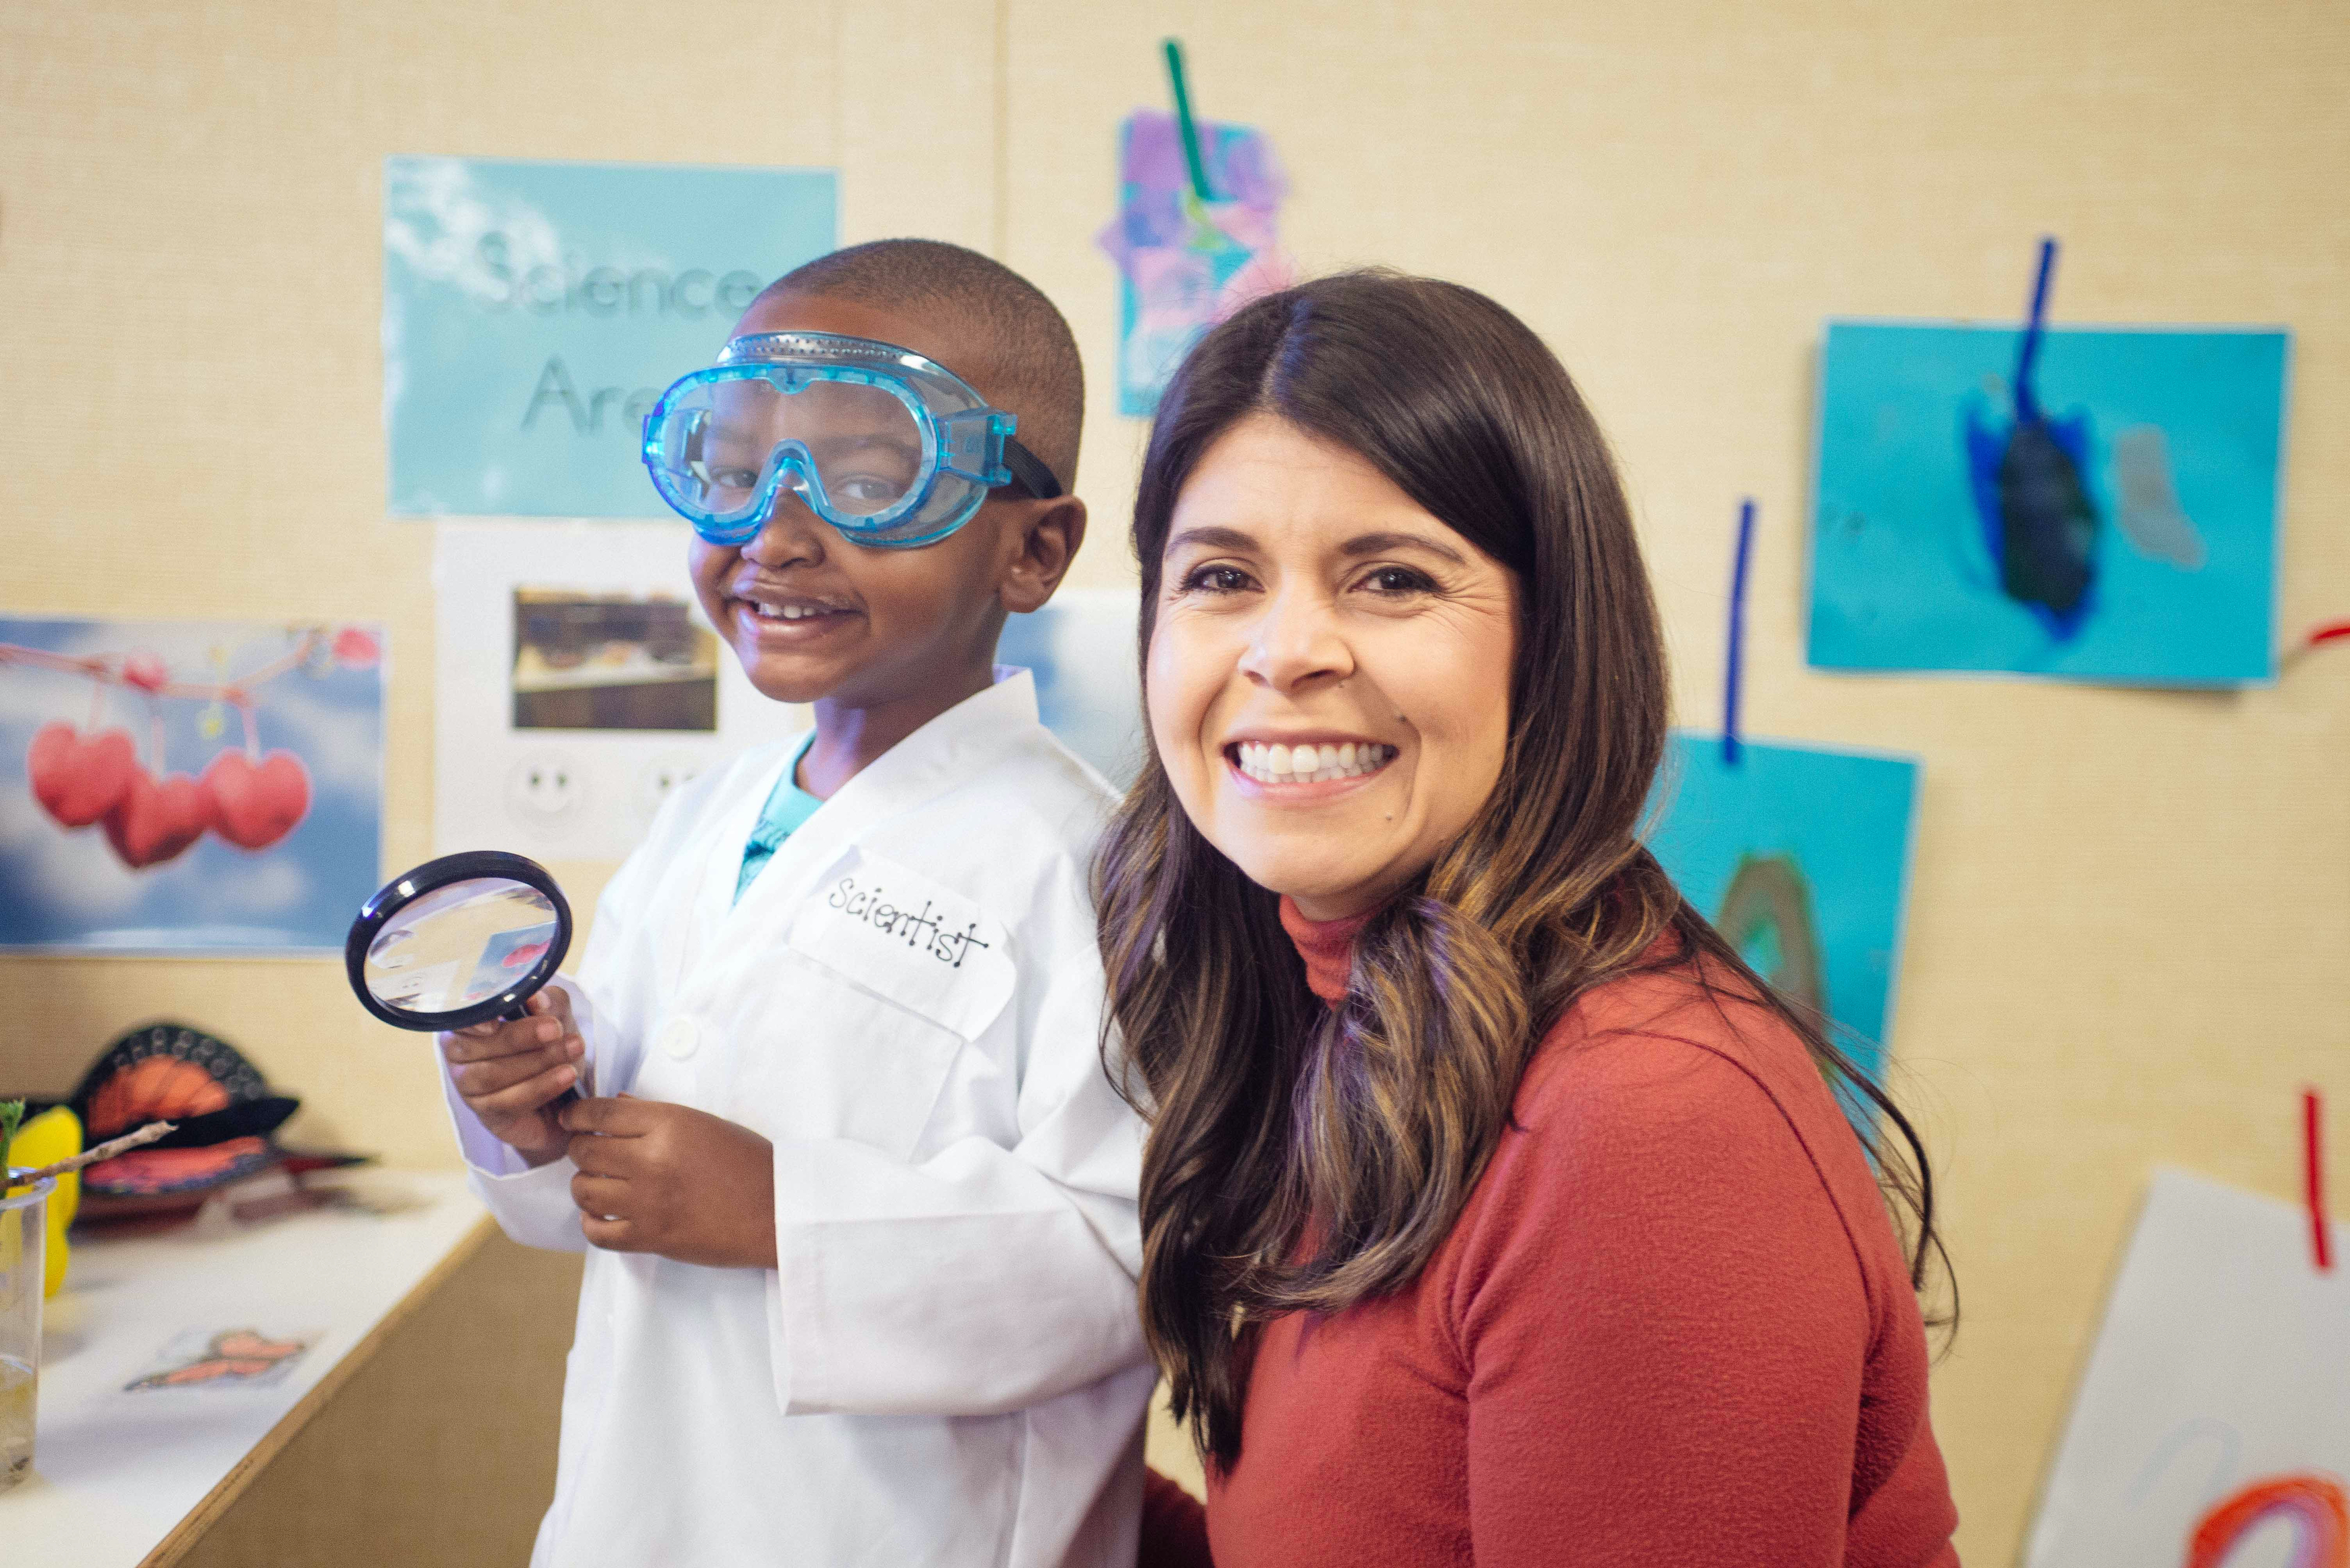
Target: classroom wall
x: 2129, y: 910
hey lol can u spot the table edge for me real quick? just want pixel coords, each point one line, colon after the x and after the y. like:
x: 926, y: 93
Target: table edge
x: 192, y: 1526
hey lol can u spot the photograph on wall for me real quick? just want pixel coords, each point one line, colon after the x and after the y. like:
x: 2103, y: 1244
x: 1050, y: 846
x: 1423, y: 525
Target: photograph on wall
x: 1800, y: 857
x: 612, y: 661
x: 532, y: 311
x: 1184, y: 264
x: 1081, y: 650
x: 2213, y: 1424
x: 2107, y: 511
x: 187, y: 786
x: 577, y: 684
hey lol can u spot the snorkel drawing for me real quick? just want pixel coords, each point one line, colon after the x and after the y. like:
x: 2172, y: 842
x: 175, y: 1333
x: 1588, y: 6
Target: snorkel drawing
x: 2038, y: 519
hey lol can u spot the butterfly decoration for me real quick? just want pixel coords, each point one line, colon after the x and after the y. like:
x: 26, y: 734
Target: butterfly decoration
x: 168, y: 1072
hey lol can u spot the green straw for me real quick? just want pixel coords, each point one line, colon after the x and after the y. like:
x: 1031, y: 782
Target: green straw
x: 1183, y: 120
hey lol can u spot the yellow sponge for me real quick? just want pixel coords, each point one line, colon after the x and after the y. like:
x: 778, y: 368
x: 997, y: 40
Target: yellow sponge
x: 52, y: 1136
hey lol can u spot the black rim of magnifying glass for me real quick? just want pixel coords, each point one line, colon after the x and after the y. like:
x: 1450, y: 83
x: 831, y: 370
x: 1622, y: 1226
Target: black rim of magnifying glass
x: 402, y: 891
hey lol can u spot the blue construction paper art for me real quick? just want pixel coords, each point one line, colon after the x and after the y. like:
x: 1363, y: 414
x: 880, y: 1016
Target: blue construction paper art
x: 1081, y: 650
x: 1184, y: 264
x: 532, y: 311
x: 1800, y: 857
x: 187, y: 786
x: 2113, y: 520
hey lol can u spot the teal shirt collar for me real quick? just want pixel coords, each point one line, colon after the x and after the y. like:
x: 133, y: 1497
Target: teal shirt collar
x: 788, y: 806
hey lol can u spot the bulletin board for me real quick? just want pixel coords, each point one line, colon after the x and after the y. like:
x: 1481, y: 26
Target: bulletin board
x: 2129, y: 910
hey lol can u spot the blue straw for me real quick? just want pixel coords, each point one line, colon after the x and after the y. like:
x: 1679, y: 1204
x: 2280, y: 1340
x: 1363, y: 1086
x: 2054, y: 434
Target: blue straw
x: 2027, y: 407
x: 1737, y: 633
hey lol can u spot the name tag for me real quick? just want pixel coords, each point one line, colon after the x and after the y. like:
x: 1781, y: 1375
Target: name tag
x: 902, y: 936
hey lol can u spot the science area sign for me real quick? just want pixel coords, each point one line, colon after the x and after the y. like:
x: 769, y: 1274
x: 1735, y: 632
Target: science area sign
x: 532, y: 311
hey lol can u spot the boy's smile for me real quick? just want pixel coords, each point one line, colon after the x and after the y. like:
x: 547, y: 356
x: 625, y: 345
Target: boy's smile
x: 784, y: 618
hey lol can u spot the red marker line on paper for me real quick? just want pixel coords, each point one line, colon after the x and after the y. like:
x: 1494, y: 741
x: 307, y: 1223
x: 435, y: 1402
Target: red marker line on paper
x: 2320, y: 1242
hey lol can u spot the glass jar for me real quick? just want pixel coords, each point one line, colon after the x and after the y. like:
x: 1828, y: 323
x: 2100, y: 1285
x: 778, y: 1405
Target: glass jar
x: 24, y: 1236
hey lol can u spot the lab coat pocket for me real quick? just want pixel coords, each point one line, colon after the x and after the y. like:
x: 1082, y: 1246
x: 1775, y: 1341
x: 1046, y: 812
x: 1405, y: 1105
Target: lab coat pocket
x: 911, y: 940
x: 889, y: 976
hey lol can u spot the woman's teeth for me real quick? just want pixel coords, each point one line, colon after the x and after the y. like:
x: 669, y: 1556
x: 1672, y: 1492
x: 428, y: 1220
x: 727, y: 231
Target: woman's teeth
x: 1278, y: 764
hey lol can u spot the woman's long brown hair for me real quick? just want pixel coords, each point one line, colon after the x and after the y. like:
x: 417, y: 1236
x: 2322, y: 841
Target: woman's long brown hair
x: 1305, y: 1158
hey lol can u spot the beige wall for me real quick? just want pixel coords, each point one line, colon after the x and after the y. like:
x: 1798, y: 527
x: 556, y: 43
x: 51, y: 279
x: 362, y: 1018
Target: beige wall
x: 2130, y: 910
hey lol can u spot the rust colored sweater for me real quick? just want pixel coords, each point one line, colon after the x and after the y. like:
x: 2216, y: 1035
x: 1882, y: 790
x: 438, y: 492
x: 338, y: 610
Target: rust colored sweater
x: 1672, y: 1327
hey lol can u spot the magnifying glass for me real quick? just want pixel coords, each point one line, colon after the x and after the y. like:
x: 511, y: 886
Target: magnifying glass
x: 458, y: 942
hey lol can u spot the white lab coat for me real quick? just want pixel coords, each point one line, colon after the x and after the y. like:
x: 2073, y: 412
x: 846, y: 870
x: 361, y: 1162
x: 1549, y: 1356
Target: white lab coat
x: 946, y: 1366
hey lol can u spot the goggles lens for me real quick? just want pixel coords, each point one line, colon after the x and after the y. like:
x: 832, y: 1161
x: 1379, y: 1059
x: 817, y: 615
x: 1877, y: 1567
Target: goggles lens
x: 857, y: 449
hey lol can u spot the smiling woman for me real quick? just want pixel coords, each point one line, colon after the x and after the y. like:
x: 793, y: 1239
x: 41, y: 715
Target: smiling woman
x: 1329, y: 670
x: 1438, y: 1063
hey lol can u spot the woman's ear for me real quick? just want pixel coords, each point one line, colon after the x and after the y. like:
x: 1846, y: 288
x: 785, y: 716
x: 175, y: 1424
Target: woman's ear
x: 1047, y: 541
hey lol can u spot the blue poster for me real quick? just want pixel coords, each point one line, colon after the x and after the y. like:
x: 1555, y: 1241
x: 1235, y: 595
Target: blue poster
x: 187, y: 786
x: 532, y: 312
x: 2116, y: 522
x: 1800, y: 857
x: 1081, y: 650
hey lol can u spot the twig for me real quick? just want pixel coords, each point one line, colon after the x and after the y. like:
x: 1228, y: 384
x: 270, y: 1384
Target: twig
x: 109, y: 670
x: 106, y: 1150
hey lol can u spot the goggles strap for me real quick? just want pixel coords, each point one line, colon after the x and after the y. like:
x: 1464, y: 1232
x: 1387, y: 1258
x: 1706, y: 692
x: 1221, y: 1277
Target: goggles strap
x: 1028, y: 472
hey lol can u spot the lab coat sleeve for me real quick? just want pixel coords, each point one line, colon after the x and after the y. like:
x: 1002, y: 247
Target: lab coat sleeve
x: 986, y: 1279
x: 531, y: 1204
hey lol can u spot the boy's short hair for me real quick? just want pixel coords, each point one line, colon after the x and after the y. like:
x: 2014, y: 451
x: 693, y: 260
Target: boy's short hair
x: 1035, y: 366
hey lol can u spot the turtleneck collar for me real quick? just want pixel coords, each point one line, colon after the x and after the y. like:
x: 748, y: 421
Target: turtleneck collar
x: 1326, y: 946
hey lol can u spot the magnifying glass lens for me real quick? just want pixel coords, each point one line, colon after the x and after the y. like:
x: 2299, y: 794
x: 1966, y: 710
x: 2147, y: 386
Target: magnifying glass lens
x: 459, y: 945
x: 458, y: 940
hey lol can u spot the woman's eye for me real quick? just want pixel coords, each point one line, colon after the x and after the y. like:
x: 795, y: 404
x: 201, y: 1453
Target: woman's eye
x: 1216, y: 580
x: 1399, y: 580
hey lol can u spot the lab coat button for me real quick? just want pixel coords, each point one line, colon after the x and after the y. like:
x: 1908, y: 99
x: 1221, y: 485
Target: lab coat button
x: 679, y: 1037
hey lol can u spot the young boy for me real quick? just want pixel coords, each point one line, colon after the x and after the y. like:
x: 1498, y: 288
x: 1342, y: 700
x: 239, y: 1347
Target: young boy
x: 857, y: 1194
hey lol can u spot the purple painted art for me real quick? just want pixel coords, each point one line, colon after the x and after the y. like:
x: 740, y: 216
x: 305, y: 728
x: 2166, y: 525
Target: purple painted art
x: 1186, y: 264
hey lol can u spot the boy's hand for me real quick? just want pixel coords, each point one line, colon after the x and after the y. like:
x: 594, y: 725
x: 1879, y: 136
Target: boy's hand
x: 659, y: 1177
x: 510, y: 1074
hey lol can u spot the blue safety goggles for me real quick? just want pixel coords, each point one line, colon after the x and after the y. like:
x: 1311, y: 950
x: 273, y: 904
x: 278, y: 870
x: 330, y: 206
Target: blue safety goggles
x: 892, y: 449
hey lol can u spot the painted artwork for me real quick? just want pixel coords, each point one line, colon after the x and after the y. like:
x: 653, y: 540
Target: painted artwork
x: 1184, y: 263
x: 2083, y: 504
x: 2213, y: 1425
x: 532, y: 311
x: 1081, y: 650
x: 576, y: 686
x: 1800, y: 857
x: 187, y: 786
x: 231, y: 1358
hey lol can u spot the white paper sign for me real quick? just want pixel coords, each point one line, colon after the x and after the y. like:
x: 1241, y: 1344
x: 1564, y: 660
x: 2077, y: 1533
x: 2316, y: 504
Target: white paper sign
x: 577, y: 684
x: 2213, y: 1425
x: 904, y: 936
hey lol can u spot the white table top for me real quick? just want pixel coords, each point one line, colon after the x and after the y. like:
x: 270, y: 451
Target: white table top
x: 116, y: 1470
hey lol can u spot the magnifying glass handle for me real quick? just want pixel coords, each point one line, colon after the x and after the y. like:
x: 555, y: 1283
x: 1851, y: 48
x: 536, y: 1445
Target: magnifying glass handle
x: 569, y: 1096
